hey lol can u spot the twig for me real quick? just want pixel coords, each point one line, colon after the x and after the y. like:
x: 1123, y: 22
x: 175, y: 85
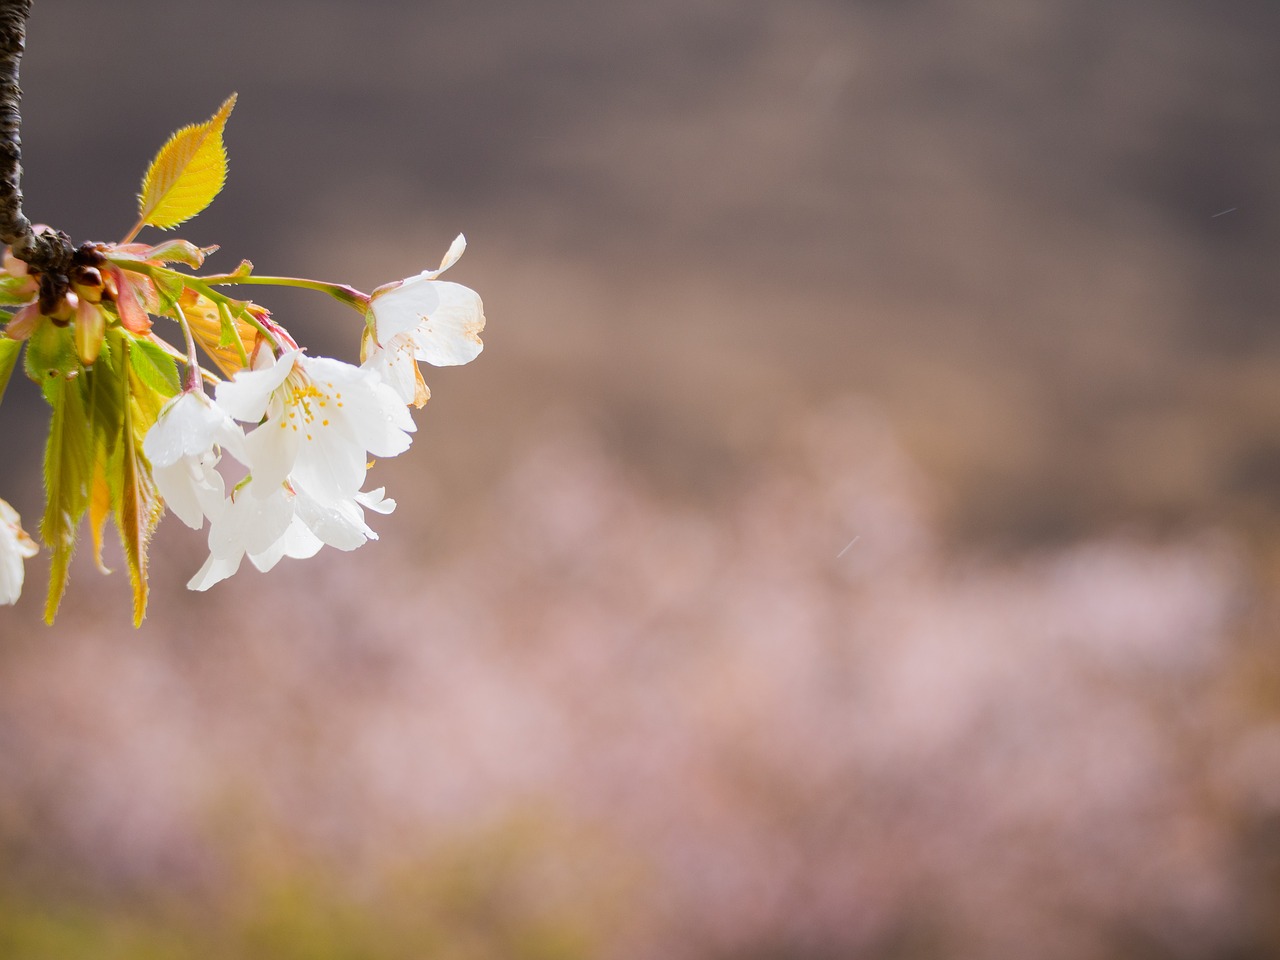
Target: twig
x: 48, y: 251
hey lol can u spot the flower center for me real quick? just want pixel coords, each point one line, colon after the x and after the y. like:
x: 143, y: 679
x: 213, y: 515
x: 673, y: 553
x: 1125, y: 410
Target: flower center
x: 307, y: 403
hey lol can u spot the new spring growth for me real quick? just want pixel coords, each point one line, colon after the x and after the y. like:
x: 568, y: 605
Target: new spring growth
x: 276, y: 459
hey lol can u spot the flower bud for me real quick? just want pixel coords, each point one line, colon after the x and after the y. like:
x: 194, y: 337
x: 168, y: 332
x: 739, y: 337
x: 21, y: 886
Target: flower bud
x: 90, y: 331
x: 87, y: 283
x: 64, y: 309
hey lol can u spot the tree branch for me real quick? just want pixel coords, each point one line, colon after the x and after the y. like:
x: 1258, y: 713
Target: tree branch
x: 46, y: 251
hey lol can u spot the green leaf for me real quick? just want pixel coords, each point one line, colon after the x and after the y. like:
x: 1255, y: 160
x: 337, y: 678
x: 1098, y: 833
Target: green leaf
x: 106, y: 387
x: 154, y: 367
x: 68, y: 465
x: 51, y: 355
x: 9, y: 350
x: 169, y: 286
x: 186, y: 174
x: 15, y: 291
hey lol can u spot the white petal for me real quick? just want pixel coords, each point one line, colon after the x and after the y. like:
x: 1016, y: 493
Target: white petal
x: 451, y: 255
x: 375, y: 501
x: 376, y: 416
x: 191, y: 489
x: 331, y: 461
x: 339, y: 524
x: 15, y: 546
x: 213, y: 571
x: 394, y: 364
x: 246, y: 395
x: 450, y: 333
x: 11, y: 577
x: 381, y: 421
x: 189, y: 424
x: 271, y: 451
x: 297, y: 542
x: 250, y: 523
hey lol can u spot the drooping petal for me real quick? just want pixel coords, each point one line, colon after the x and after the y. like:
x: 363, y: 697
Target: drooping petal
x: 191, y: 488
x: 215, y: 570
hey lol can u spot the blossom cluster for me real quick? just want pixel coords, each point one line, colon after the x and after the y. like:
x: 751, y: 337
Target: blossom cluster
x: 315, y: 423
x: 276, y: 460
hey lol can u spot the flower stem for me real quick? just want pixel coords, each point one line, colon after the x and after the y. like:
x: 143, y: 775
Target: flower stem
x: 339, y: 291
x: 193, y: 361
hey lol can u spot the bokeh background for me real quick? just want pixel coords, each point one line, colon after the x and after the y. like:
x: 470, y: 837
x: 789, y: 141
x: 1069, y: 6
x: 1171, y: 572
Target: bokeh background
x: 858, y: 538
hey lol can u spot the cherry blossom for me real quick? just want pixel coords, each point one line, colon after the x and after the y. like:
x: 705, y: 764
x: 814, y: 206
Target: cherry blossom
x: 183, y: 447
x: 323, y: 418
x: 422, y: 318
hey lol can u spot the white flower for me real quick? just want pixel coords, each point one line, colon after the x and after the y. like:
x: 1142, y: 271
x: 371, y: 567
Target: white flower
x: 15, y: 546
x: 423, y: 318
x: 323, y: 417
x: 182, y: 446
x: 286, y: 522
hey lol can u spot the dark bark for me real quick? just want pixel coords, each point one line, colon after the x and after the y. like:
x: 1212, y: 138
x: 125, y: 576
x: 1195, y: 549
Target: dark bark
x: 47, y: 251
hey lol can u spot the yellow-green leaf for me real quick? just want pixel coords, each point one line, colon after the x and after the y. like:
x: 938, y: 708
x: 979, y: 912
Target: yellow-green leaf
x: 8, y: 358
x: 15, y: 291
x: 99, y: 508
x: 137, y: 502
x: 186, y: 174
x: 107, y: 392
x: 68, y: 463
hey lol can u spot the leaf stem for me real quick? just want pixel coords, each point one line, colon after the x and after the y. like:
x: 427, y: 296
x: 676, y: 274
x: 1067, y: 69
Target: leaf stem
x: 238, y: 308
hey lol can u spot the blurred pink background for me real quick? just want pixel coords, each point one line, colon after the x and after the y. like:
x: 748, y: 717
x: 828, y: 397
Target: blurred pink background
x: 857, y: 539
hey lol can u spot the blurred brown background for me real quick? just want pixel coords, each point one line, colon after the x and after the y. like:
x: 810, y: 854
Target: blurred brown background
x: 988, y: 286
